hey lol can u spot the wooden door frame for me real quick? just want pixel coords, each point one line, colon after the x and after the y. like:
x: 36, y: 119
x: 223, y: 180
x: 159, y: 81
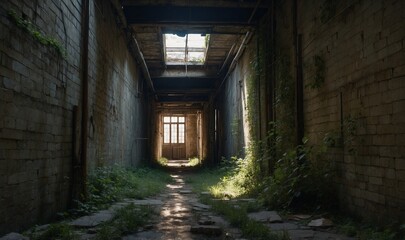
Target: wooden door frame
x: 174, y: 145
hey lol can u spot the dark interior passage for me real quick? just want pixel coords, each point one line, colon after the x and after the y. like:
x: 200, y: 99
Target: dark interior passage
x: 92, y: 83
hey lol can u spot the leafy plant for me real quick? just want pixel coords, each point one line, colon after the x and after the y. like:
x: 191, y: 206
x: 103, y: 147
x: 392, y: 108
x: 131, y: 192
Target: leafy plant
x: 109, y: 184
x: 366, y: 231
x: 61, y: 231
x: 320, y: 71
x: 301, y: 179
x: 192, y: 162
x: 237, y: 217
x: 162, y: 161
x: 328, y: 10
x: 126, y: 220
x: 27, y: 26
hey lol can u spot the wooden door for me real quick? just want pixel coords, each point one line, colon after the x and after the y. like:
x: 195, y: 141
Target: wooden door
x: 174, y: 141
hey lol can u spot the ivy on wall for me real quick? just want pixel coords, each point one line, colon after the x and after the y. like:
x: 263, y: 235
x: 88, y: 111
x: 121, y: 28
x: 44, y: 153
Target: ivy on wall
x: 319, y: 66
x: 36, y: 34
x: 328, y: 10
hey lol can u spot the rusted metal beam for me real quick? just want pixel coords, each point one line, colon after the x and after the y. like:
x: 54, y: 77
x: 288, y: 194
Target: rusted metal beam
x: 193, y: 3
x: 141, y: 60
x: 192, y: 15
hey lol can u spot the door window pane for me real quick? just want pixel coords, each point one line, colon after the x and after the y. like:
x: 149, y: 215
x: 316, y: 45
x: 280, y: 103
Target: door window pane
x: 174, y: 119
x: 174, y: 133
x: 181, y: 133
x: 166, y: 119
x: 181, y: 119
x: 166, y: 133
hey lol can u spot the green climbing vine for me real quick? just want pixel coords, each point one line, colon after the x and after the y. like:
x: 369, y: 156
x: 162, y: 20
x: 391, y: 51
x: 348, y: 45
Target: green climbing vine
x: 344, y: 137
x: 320, y: 71
x: 328, y: 10
x: 32, y: 30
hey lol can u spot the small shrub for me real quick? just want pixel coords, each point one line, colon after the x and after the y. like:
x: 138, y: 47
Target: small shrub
x: 110, y: 184
x: 238, y: 217
x: 192, y: 162
x: 302, y: 178
x: 61, y: 231
x: 162, y: 161
x: 127, y: 220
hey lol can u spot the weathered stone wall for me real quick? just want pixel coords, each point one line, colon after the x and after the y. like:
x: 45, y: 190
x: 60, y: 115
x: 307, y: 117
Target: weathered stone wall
x: 38, y: 89
x: 362, y: 46
x: 192, y: 138
x: 356, y: 51
x: 233, y: 129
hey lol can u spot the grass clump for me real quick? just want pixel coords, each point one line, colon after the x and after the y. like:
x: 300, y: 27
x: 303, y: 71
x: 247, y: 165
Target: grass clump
x: 127, y: 220
x: 301, y: 179
x: 232, y: 179
x: 110, y: 184
x: 61, y: 231
x: 192, y: 162
x: 238, y: 217
x: 162, y: 161
x: 363, y: 231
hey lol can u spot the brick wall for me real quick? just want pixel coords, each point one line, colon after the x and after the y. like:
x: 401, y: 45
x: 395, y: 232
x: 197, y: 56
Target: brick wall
x: 362, y: 45
x: 38, y: 90
x: 231, y: 102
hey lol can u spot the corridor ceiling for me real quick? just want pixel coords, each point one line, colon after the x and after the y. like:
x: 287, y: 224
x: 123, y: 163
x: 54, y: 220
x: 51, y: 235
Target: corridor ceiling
x: 225, y: 21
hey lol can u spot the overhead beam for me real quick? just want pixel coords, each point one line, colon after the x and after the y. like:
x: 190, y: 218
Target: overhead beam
x: 163, y: 91
x: 193, y: 3
x: 204, y: 98
x: 191, y: 15
x: 142, y: 62
x: 184, y: 83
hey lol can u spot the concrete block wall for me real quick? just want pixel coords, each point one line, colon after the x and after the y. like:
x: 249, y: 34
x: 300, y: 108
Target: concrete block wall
x: 38, y: 90
x: 233, y: 129
x: 363, y: 47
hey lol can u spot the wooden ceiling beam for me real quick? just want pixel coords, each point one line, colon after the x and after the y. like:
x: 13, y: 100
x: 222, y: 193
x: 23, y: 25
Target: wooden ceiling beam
x: 194, y: 3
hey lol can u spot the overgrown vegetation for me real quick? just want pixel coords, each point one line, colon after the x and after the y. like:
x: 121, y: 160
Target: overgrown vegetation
x: 303, y: 179
x: 109, y: 184
x: 328, y: 10
x: 33, y: 31
x: 194, y: 161
x: 364, y: 231
x: 237, y: 217
x: 319, y: 72
x: 61, y: 231
x: 162, y: 161
x: 127, y: 220
x: 344, y: 137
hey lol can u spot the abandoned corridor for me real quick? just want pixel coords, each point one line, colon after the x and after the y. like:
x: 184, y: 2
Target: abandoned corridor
x: 92, y: 83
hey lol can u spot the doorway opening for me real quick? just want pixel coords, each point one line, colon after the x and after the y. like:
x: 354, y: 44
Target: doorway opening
x: 174, y: 138
x: 180, y: 138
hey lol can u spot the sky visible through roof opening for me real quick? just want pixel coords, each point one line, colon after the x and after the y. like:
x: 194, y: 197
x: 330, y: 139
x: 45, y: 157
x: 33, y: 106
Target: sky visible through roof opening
x: 189, y: 49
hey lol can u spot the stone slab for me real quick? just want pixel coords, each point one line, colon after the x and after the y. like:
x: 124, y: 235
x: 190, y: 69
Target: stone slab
x: 147, y: 202
x: 301, y: 234
x: 201, y: 206
x: 206, y: 230
x: 185, y: 191
x: 321, y: 223
x: 265, y: 216
x: 93, y: 220
x: 330, y: 236
x: 146, y: 235
x: 282, y: 226
x: 14, y: 236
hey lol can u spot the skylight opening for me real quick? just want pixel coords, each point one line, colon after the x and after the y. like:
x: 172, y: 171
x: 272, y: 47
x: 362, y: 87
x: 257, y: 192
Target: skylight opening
x: 189, y: 49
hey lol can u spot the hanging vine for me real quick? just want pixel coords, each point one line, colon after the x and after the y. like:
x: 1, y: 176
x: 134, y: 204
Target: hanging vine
x: 320, y: 70
x: 33, y: 31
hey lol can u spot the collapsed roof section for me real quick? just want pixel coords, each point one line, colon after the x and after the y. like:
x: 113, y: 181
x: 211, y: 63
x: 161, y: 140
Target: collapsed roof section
x: 188, y: 46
